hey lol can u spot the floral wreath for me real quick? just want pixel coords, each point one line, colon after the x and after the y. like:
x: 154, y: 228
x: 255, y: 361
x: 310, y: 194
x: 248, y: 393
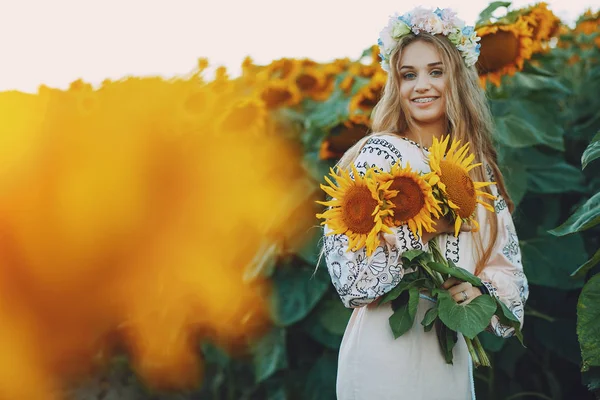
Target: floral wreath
x: 441, y: 21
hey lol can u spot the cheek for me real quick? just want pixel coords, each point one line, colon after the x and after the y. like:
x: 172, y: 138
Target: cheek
x: 405, y: 92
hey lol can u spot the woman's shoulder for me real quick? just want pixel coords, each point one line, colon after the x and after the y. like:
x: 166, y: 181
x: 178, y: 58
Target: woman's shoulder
x: 393, y: 144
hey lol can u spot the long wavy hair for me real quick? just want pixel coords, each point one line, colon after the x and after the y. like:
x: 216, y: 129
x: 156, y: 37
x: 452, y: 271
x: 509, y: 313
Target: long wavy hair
x: 468, y: 118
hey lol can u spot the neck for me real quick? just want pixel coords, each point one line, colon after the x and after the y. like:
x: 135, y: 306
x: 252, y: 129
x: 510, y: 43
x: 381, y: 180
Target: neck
x: 424, y: 133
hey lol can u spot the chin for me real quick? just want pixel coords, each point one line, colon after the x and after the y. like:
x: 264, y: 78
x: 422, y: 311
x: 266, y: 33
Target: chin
x: 427, y: 118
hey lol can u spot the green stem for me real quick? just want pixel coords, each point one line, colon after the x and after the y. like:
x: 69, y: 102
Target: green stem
x: 437, y: 278
x: 535, y: 313
x: 523, y: 394
x: 485, y: 361
x: 435, y: 250
x: 472, y: 351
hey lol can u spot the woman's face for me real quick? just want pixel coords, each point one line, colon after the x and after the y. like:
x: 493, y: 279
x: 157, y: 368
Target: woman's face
x: 423, y: 83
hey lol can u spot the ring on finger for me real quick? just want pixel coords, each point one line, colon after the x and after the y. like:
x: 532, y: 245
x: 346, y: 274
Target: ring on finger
x: 464, y: 296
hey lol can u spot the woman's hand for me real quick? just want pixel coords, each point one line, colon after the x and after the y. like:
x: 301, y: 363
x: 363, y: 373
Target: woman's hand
x: 443, y: 225
x: 462, y: 292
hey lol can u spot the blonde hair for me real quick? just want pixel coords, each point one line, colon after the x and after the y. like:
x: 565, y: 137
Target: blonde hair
x: 468, y: 118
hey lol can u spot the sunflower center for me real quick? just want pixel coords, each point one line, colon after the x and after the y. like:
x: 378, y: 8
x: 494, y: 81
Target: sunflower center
x: 274, y: 97
x: 410, y: 199
x: 306, y: 82
x: 357, y: 207
x: 497, y: 51
x: 460, y: 188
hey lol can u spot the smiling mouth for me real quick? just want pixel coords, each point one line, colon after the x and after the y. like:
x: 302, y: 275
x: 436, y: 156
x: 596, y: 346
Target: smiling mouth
x: 425, y: 100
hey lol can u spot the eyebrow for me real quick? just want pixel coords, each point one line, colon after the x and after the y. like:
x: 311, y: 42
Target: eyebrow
x: 433, y: 64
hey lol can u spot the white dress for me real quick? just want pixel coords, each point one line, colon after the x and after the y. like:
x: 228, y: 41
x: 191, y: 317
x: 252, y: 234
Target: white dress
x: 372, y: 364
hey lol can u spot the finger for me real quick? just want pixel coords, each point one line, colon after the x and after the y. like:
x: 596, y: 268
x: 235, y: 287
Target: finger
x: 465, y: 227
x: 467, y: 301
x: 460, y: 297
x: 450, y: 282
x: 464, y: 286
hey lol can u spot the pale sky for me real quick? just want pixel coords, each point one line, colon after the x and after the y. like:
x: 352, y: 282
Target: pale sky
x: 55, y: 42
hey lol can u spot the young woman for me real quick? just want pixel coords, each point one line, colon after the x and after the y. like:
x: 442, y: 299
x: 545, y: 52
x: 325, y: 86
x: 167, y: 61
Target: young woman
x: 432, y: 90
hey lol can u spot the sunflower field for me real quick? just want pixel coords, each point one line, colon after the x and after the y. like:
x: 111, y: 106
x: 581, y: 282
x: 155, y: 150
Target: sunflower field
x: 159, y: 239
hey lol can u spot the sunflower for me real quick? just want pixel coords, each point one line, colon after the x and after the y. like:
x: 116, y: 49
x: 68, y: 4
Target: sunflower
x: 458, y: 193
x: 544, y: 24
x: 504, y: 49
x: 314, y: 83
x: 280, y: 93
x: 357, y: 208
x: 412, y: 197
x: 245, y: 115
x: 362, y: 103
x: 340, y: 138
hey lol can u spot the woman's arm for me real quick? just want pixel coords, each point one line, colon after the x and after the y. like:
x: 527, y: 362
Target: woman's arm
x: 503, y: 275
x: 359, y: 279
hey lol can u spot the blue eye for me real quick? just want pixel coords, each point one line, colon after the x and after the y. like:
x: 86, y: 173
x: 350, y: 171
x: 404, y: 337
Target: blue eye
x: 437, y: 72
x: 409, y: 75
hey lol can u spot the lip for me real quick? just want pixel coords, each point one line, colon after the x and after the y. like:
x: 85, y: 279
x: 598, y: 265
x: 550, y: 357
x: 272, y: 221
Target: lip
x: 424, y: 104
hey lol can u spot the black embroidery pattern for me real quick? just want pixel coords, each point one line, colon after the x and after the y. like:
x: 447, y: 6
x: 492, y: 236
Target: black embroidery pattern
x: 380, y: 144
x: 452, y: 250
x: 361, y: 168
x: 414, y: 240
x: 524, y: 286
x: 415, y: 143
x: 500, y: 204
x: 491, y: 289
x: 511, y: 249
x: 360, y: 279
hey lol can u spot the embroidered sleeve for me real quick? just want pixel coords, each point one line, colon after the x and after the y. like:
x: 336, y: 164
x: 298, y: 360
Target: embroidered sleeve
x: 503, y: 276
x: 359, y: 279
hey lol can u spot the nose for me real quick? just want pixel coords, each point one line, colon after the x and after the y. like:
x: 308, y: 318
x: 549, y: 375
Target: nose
x: 423, y: 83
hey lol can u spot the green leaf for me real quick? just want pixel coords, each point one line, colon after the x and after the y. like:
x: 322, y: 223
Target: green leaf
x: 591, y: 152
x: 537, y: 70
x: 558, y: 177
x: 320, y: 383
x: 589, y: 264
x: 276, y: 389
x: 404, y: 284
x: 311, y: 249
x: 469, y: 319
x: 546, y: 262
x: 591, y: 378
x: 491, y: 342
x: 447, y: 338
x: 411, y: 255
x: 517, y: 132
x: 316, y: 167
x: 315, y: 329
x: 547, y: 171
x: 486, y: 14
x: 532, y: 82
x: 585, y: 217
x: 401, y: 320
x: 506, y: 317
x: 329, y: 113
x: 413, y: 301
x: 334, y: 316
x: 430, y: 317
x: 559, y: 336
x: 296, y: 292
x: 269, y: 354
x: 588, y: 323
x: 456, y: 272
x: 515, y: 179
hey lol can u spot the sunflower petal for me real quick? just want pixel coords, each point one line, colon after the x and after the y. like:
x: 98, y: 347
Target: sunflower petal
x: 457, y: 225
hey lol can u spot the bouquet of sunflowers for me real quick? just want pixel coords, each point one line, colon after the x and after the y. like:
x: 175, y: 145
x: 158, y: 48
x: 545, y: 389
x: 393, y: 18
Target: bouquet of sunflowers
x: 364, y: 206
